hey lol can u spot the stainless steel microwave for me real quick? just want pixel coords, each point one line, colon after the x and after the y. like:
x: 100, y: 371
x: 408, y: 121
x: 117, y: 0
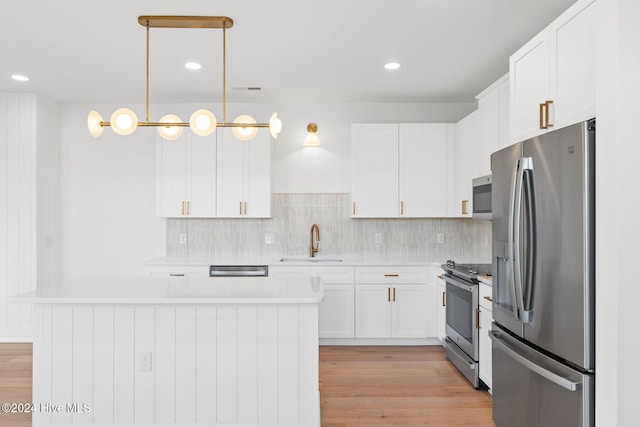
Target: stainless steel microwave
x: 482, y: 198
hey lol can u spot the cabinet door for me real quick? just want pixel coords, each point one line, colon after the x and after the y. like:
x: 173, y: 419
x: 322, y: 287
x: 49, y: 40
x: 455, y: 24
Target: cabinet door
x: 529, y: 81
x: 423, y: 170
x: 230, y: 167
x: 171, y: 164
x: 442, y: 310
x: 468, y: 139
x: 409, y: 311
x: 257, y: 176
x: 374, y: 163
x: 574, y: 79
x: 336, y: 312
x: 489, y: 110
x: 373, y: 311
x: 485, y: 346
x: 201, y: 176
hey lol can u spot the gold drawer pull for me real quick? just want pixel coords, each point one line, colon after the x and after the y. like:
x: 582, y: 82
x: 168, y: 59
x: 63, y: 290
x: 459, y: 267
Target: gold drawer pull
x: 441, y: 277
x: 488, y: 298
x: 394, y: 294
x: 391, y: 275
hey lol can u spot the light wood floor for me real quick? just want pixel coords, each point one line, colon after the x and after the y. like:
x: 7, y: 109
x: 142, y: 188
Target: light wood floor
x: 359, y: 386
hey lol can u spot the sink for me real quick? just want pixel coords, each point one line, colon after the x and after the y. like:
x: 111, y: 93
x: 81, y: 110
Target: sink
x: 310, y: 259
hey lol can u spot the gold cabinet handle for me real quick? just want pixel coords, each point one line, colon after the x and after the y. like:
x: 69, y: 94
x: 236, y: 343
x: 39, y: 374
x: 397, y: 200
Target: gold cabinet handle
x: 354, y: 208
x: 542, y: 107
x: 477, y: 318
x: 401, y: 208
x: 547, y: 105
x: 245, y: 208
x: 182, y: 209
x: 394, y: 294
x: 187, y: 208
x: 488, y: 298
x: 391, y: 275
x: 240, y: 208
x: 388, y: 294
x: 441, y: 277
x: 444, y: 301
x: 465, y: 210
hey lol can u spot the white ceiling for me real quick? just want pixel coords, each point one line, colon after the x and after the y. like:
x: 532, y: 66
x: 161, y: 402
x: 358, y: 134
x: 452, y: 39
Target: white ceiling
x: 79, y: 51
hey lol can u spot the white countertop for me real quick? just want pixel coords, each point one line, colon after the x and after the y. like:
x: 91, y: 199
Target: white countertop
x: 487, y: 280
x: 180, y: 290
x: 327, y: 260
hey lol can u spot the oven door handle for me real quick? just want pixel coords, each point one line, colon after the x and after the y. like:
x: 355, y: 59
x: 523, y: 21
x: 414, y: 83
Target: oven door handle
x: 458, y: 283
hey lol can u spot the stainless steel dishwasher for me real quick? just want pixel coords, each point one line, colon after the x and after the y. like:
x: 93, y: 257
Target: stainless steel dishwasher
x: 238, y: 271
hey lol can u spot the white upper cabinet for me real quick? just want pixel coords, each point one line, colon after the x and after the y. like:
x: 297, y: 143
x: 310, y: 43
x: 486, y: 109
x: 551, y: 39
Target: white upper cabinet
x: 467, y: 149
x: 552, y: 77
x: 374, y: 163
x: 493, y: 108
x: 186, y: 176
x: 400, y: 170
x: 423, y: 169
x: 244, y: 176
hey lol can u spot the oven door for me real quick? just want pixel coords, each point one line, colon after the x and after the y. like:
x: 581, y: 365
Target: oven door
x: 462, y: 314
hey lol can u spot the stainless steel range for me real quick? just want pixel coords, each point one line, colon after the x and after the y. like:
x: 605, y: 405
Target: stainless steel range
x: 462, y: 316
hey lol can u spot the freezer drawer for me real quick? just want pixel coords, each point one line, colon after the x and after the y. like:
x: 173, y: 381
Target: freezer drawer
x: 533, y: 390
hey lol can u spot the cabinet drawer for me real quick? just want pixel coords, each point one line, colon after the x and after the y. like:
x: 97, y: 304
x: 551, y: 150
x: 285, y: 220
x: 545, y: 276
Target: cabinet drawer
x: 338, y: 275
x: 391, y: 274
x: 288, y: 271
x: 485, y: 297
x: 178, y: 271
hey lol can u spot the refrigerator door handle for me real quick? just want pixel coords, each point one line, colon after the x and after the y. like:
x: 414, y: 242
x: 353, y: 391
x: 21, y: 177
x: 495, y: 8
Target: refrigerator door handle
x: 515, y: 223
x: 532, y: 366
x: 511, y: 261
x: 526, y: 291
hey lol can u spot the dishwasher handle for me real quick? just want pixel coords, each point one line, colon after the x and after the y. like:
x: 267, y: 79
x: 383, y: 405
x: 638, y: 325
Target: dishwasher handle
x: 238, y: 271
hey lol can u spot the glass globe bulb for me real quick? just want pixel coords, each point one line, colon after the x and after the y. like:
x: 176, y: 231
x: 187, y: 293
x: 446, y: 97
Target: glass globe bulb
x: 203, y: 122
x: 245, y: 133
x: 170, y: 132
x: 275, y: 125
x: 94, y: 121
x: 124, y: 121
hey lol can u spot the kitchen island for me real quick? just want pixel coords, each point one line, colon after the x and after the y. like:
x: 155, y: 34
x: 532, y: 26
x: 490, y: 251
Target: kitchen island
x: 178, y: 351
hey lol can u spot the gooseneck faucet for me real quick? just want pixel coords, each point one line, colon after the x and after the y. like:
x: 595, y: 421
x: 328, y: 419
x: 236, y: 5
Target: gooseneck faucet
x: 314, y: 248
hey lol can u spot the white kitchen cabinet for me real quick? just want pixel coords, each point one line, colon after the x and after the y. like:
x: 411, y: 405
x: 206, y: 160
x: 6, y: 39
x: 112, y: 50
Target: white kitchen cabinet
x: 244, y: 175
x: 486, y: 317
x: 374, y: 170
x: 437, y: 301
x: 493, y: 110
x: 186, y: 176
x: 336, y: 318
x: 178, y: 271
x: 388, y: 305
x: 467, y: 151
x: 552, y: 77
x: 400, y: 170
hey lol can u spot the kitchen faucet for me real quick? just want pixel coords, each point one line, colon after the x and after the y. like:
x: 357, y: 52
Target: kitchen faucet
x: 314, y: 249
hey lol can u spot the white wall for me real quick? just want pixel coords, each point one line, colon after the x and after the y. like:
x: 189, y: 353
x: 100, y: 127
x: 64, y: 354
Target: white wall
x: 617, y: 220
x: 108, y: 184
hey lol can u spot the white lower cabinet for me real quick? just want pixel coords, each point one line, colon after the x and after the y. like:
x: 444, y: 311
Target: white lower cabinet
x: 336, y: 311
x: 486, y: 318
x: 178, y: 271
x: 438, y: 300
x: 392, y: 303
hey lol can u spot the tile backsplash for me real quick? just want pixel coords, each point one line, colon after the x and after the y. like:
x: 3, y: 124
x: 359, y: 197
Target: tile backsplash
x: 289, y: 228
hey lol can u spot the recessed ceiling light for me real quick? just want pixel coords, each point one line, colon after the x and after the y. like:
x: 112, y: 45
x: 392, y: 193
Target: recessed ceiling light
x: 193, y: 65
x: 391, y: 65
x: 20, y: 77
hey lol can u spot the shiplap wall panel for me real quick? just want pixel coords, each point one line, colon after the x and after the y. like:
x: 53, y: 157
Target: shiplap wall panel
x: 123, y: 364
x: 83, y: 361
x: 211, y: 365
x: 186, y: 380
x: 144, y: 329
x: 227, y: 361
x: 103, y: 364
x: 268, y: 364
x: 164, y: 357
x: 247, y: 364
x: 206, y: 365
x: 61, y: 361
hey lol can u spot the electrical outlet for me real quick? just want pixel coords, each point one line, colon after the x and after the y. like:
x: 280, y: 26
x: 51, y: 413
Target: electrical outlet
x: 144, y: 361
x: 440, y: 238
x: 378, y: 237
x: 183, y: 239
x: 269, y: 238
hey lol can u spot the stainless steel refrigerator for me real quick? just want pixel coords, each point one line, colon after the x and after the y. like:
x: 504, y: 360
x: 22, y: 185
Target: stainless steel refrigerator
x: 543, y: 286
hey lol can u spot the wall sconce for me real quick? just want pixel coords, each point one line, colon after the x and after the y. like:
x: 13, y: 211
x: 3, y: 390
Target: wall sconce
x: 312, y: 136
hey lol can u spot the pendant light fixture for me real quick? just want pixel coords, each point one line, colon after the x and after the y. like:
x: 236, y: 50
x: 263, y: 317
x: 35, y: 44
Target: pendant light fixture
x: 202, y: 122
